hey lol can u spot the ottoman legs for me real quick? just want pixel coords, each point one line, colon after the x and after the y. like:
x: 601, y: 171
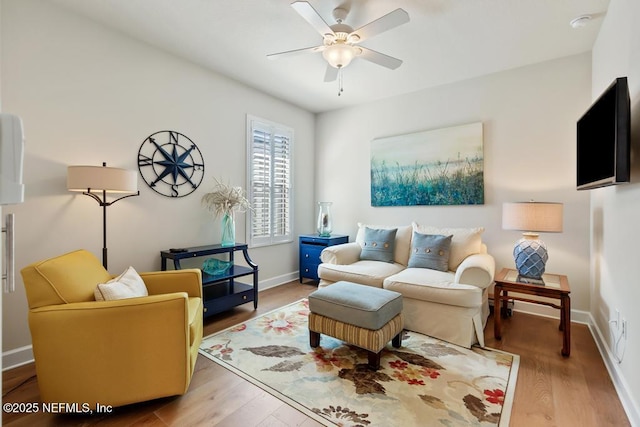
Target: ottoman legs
x: 397, y: 340
x: 373, y: 358
x: 314, y: 339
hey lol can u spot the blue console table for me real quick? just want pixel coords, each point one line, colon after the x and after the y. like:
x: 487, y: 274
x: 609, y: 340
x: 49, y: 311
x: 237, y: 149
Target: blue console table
x: 220, y: 292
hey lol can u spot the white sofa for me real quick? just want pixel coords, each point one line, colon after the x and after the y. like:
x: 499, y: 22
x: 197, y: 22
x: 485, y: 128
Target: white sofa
x: 450, y: 305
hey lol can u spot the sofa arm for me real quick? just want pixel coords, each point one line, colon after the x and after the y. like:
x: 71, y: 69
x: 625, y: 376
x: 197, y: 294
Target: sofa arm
x: 477, y: 270
x: 346, y: 253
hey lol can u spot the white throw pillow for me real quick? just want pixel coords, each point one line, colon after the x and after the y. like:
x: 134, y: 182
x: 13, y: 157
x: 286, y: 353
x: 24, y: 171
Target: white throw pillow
x: 465, y: 241
x: 127, y: 285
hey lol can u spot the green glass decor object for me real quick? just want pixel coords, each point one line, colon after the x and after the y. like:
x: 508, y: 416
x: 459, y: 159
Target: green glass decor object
x: 228, y: 229
x: 324, y: 219
x: 216, y: 267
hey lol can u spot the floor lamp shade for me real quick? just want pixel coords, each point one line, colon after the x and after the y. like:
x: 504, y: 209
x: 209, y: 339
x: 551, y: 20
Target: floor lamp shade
x: 530, y: 253
x: 101, y: 178
x: 96, y: 182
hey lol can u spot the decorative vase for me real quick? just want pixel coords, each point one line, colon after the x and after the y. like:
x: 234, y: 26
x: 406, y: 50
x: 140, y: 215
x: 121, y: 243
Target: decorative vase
x: 228, y: 229
x: 531, y: 256
x: 324, y: 219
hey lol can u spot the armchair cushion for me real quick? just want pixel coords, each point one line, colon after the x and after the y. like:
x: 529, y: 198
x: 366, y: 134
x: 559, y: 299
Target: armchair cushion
x: 127, y: 285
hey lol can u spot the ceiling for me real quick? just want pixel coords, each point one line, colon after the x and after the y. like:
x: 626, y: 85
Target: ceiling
x: 444, y: 41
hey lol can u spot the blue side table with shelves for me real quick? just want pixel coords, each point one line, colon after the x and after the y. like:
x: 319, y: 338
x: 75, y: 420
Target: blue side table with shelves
x: 220, y: 292
x: 311, y: 245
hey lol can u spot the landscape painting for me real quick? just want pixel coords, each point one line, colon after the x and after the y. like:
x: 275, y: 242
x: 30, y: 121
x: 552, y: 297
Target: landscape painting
x: 436, y: 167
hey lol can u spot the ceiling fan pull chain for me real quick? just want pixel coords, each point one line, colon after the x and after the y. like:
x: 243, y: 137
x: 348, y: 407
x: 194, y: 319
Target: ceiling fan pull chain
x: 340, y: 88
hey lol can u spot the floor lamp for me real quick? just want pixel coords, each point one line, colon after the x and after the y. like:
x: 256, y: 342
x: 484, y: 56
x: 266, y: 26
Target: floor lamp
x: 93, y: 180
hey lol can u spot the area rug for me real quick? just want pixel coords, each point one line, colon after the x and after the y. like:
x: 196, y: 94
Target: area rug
x: 426, y: 382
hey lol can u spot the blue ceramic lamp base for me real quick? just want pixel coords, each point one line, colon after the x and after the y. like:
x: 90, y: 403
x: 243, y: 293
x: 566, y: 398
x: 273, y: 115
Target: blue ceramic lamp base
x: 531, y: 256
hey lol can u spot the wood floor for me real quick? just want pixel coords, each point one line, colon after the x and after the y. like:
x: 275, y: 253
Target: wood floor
x: 551, y: 390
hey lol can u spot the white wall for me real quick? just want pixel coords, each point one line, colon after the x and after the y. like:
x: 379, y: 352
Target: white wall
x: 529, y: 117
x: 615, y: 225
x: 86, y: 95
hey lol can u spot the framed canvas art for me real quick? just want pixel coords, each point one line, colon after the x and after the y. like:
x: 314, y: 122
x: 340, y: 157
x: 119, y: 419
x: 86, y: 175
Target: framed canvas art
x: 435, y: 167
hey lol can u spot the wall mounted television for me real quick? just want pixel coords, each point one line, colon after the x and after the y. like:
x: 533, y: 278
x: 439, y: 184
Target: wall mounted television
x: 604, y: 139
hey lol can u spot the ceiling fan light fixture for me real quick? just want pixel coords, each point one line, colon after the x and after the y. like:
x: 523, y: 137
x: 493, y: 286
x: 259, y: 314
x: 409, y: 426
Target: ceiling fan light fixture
x: 339, y: 55
x: 580, y: 21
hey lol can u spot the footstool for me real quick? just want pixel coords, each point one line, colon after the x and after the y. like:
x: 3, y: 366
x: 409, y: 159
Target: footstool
x: 360, y: 315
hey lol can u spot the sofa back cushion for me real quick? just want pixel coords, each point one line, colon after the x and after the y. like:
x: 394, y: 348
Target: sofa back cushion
x: 402, y: 243
x: 465, y: 241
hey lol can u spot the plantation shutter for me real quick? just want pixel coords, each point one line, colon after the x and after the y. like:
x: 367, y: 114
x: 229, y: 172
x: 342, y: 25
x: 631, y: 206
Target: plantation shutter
x: 270, y: 186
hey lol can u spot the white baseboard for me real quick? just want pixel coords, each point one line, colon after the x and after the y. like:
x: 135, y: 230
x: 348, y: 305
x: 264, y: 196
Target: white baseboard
x: 17, y: 357
x: 277, y: 281
x: 631, y: 407
x: 546, y: 311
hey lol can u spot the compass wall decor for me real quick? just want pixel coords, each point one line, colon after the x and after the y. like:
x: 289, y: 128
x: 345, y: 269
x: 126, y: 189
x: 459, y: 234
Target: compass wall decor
x: 170, y: 163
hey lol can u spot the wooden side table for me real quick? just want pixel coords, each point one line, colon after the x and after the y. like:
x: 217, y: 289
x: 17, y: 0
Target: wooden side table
x: 552, y: 286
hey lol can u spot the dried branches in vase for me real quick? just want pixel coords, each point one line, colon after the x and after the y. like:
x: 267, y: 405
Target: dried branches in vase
x: 224, y: 200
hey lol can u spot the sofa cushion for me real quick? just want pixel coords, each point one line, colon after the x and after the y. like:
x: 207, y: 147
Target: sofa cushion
x: 430, y: 251
x: 370, y: 273
x: 358, y: 305
x: 434, y: 286
x: 403, y: 240
x: 378, y: 244
x: 465, y: 241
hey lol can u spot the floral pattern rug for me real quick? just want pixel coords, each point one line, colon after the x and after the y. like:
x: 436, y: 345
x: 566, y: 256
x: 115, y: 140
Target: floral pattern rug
x: 426, y: 382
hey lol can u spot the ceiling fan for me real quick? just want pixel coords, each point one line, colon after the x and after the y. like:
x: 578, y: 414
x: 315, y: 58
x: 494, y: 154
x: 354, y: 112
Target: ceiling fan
x: 341, y: 42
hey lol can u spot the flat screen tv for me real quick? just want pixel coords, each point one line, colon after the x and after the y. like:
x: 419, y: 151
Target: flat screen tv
x: 604, y: 139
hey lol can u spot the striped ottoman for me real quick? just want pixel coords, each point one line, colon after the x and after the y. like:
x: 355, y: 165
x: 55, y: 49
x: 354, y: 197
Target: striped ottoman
x: 360, y: 315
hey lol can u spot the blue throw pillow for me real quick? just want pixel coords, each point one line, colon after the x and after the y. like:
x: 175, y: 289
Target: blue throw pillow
x: 430, y: 251
x: 378, y: 244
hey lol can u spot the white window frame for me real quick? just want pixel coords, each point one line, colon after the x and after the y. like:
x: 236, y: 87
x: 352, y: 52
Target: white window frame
x: 272, y: 235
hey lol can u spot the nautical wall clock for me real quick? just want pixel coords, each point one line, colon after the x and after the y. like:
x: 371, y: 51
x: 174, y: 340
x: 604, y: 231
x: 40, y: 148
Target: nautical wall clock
x: 170, y: 163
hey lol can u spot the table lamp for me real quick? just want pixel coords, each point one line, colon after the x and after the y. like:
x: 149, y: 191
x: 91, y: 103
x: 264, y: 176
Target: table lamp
x: 102, y: 179
x: 530, y: 253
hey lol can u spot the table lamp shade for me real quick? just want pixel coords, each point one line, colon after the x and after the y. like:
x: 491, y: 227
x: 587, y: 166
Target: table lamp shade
x: 530, y: 253
x: 532, y: 216
x: 101, y: 178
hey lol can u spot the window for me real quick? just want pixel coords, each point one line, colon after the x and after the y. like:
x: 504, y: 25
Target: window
x: 269, y: 147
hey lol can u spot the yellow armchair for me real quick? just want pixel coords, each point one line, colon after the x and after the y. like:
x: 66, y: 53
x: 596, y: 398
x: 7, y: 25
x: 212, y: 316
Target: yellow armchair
x: 111, y: 352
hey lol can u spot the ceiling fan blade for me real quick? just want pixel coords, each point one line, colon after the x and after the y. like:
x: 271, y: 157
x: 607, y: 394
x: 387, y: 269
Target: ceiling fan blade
x: 379, y: 58
x: 331, y: 74
x: 296, y: 52
x: 307, y: 11
x: 382, y: 24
